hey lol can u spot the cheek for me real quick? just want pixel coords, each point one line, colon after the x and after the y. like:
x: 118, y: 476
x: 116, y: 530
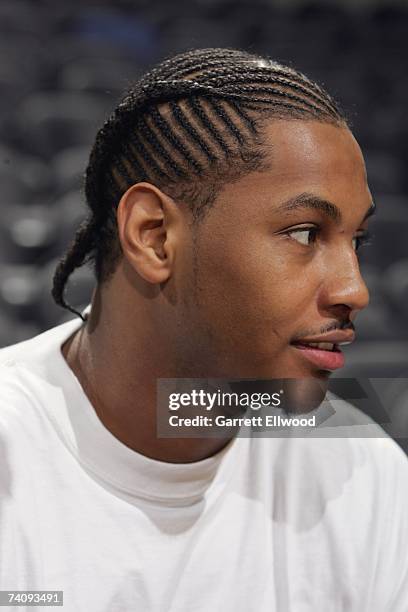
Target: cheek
x: 252, y: 293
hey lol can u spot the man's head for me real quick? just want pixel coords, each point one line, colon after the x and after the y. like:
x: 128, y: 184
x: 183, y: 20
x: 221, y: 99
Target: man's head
x: 228, y: 194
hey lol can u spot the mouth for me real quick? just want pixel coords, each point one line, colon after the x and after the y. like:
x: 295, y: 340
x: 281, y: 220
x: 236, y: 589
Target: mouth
x: 324, y: 351
x: 324, y: 355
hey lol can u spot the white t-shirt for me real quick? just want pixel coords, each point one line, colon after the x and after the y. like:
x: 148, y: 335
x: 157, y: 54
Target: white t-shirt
x: 267, y: 524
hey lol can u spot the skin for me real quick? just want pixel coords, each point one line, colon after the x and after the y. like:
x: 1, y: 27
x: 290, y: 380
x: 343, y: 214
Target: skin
x: 227, y: 297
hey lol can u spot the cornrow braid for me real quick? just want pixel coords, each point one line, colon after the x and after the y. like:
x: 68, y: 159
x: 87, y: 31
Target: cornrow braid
x: 79, y: 249
x: 182, y: 119
x: 166, y: 129
x: 196, y: 58
x: 189, y: 125
x: 197, y: 108
x: 232, y: 128
x: 278, y: 80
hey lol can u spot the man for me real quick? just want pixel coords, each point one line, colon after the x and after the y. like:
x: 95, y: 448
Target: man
x: 228, y: 200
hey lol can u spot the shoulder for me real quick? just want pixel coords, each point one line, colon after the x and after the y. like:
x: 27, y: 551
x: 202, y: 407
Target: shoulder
x: 34, y: 350
x: 29, y: 374
x: 18, y: 415
x: 12, y: 387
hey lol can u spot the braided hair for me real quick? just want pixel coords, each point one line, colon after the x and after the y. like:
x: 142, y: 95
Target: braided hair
x: 189, y: 126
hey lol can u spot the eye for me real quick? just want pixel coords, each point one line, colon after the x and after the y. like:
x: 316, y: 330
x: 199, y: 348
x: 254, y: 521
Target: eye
x: 362, y: 239
x: 304, y: 235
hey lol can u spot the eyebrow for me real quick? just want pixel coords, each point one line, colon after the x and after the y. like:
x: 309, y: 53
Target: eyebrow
x: 309, y: 200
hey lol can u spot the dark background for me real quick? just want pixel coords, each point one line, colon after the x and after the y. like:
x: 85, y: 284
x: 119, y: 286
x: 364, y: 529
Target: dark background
x: 63, y: 66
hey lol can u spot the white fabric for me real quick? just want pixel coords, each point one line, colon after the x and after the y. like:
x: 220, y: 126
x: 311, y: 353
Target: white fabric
x: 282, y: 524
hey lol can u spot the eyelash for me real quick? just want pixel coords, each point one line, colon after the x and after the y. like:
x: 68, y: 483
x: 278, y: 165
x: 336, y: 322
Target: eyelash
x: 363, y: 239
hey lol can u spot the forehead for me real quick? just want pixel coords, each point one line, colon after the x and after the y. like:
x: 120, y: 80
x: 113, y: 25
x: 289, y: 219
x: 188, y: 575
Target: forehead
x: 310, y: 147
x: 305, y: 156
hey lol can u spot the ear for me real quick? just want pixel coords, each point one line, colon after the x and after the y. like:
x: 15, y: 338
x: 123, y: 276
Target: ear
x: 147, y: 225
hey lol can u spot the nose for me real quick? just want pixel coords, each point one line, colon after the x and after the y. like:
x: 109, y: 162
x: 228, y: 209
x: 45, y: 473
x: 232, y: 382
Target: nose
x: 345, y: 286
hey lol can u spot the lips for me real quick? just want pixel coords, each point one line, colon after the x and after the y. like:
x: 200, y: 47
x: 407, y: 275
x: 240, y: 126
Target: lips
x: 321, y: 358
x: 323, y: 351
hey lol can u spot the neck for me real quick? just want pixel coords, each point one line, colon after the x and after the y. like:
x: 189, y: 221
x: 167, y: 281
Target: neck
x: 118, y: 372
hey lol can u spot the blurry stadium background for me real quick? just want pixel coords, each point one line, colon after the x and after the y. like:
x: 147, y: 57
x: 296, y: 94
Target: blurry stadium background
x: 63, y: 66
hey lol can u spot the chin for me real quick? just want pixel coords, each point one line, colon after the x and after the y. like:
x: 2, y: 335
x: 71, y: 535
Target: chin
x: 304, y: 394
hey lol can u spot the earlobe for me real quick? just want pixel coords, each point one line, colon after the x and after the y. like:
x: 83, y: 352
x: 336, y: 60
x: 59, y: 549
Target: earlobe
x: 143, y: 232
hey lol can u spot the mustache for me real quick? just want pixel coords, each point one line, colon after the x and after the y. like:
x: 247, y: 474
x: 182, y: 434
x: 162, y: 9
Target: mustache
x: 327, y: 328
x: 344, y: 325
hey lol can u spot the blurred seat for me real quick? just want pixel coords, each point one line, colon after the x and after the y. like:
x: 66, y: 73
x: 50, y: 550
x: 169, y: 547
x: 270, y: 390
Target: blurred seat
x: 13, y: 76
x: 20, y: 16
x: 245, y: 23
x: 68, y: 167
x: 391, y: 23
x: 392, y: 207
x: 192, y: 31
x: 382, y: 122
x: 385, y: 171
x: 20, y: 75
x: 13, y: 188
x: 70, y: 46
x: 23, y: 178
x: 98, y: 75
x: 346, y: 85
x: 389, y: 228
x: 71, y: 210
x: 52, y: 121
x: 128, y: 31
x: 28, y: 234
x: 376, y: 322
x: 396, y: 286
x: 19, y: 290
x: 319, y: 26
x: 13, y: 330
